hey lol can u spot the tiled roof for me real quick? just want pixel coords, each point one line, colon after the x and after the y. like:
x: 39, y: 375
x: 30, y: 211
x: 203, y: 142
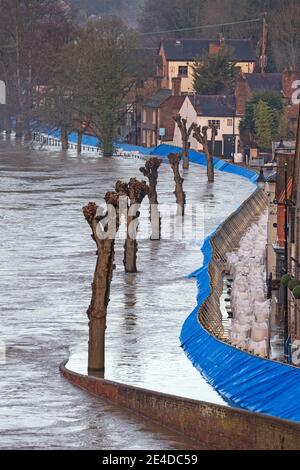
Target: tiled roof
x: 264, y: 82
x: 191, y: 49
x: 158, y: 98
x: 213, y: 105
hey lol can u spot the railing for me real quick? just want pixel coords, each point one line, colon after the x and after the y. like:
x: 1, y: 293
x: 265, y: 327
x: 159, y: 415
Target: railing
x: 226, y: 239
x: 52, y: 141
x: 44, y: 139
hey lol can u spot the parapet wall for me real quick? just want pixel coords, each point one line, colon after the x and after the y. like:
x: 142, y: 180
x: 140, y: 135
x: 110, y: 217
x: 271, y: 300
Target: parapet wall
x: 212, y: 426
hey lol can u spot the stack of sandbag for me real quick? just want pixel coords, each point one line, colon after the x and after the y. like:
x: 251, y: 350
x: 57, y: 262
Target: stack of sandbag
x: 251, y: 310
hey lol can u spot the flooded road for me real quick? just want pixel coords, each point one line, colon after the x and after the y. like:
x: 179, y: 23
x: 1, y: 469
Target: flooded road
x: 47, y: 263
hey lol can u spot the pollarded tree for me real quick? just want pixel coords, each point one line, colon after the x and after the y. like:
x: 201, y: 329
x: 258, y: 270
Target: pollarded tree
x: 201, y: 135
x: 150, y: 171
x: 185, y: 137
x: 174, y: 159
x: 135, y: 191
x: 104, y: 223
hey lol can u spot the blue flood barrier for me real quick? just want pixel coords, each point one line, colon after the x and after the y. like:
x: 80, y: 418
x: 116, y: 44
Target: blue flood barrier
x: 243, y: 380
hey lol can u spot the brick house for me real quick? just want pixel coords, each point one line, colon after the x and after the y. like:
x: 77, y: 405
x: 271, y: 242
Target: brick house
x: 158, y: 114
x: 177, y: 56
x: 249, y: 84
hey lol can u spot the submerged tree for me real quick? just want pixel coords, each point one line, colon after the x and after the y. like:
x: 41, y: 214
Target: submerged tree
x: 150, y: 171
x: 185, y: 137
x: 135, y: 191
x: 174, y: 159
x: 104, y: 223
x: 200, y: 134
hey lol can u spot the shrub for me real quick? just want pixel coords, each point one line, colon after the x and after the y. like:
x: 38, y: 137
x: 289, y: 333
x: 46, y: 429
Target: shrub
x: 296, y: 292
x: 293, y: 283
x: 286, y: 279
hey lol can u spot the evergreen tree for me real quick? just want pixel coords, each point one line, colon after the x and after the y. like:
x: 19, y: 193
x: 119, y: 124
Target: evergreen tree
x: 249, y: 126
x: 215, y: 74
x: 263, y: 124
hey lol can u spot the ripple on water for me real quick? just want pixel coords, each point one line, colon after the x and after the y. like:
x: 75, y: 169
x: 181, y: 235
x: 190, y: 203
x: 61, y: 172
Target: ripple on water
x: 47, y: 262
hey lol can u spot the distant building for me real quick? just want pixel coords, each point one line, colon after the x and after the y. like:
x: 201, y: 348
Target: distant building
x: 212, y: 109
x: 158, y: 114
x: 177, y: 56
x: 282, y: 83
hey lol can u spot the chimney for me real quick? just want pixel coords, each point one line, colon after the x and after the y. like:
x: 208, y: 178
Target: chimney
x: 176, y: 86
x: 288, y: 78
x: 214, y: 48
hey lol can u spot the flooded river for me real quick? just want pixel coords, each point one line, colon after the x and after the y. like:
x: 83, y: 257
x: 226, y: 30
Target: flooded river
x: 47, y: 263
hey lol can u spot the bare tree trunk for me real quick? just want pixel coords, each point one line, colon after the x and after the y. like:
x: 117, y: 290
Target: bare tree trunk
x: 97, y: 311
x: 174, y: 160
x: 151, y: 172
x: 28, y: 133
x: 185, y: 136
x: 130, y: 254
x: 64, y: 138
x: 135, y: 191
x: 185, y: 155
x: 210, y: 165
x: 201, y: 136
x: 19, y: 116
x: 79, y: 140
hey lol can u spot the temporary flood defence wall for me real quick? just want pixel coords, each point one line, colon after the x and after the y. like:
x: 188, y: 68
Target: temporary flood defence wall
x: 244, y: 380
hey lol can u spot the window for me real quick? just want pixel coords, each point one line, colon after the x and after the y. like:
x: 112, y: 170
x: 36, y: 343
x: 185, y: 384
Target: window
x: 182, y: 71
x: 144, y: 116
x: 144, y: 136
x: 229, y: 122
x: 214, y: 122
x: 154, y: 116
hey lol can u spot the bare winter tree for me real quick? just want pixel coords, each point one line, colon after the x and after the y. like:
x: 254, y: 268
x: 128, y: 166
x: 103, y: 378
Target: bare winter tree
x: 174, y: 159
x: 150, y: 171
x: 104, y: 224
x: 185, y: 137
x: 200, y: 134
x: 136, y: 191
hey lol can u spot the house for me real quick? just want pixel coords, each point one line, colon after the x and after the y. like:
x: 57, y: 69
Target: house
x: 158, y: 114
x: 249, y: 84
x: 177, y: 56
x: 212, y: 109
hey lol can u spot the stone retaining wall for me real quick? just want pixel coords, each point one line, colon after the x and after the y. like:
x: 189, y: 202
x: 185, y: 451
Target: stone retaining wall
x: 212, y: 426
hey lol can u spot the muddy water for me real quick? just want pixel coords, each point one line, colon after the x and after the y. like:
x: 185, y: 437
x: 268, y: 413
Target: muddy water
x: 47, y: 261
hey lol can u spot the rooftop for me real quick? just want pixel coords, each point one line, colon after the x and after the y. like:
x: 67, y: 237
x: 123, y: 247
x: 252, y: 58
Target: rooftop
x: 191, y: 49
x: 213, y: 105
x: 158, y: 98
x: 264, y: 82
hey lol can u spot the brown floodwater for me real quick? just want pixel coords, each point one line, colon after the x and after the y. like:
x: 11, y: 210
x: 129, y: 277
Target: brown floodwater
x: 47, y: 263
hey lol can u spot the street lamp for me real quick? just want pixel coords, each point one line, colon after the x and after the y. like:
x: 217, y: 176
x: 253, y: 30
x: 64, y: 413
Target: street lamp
x: 261, y: 180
